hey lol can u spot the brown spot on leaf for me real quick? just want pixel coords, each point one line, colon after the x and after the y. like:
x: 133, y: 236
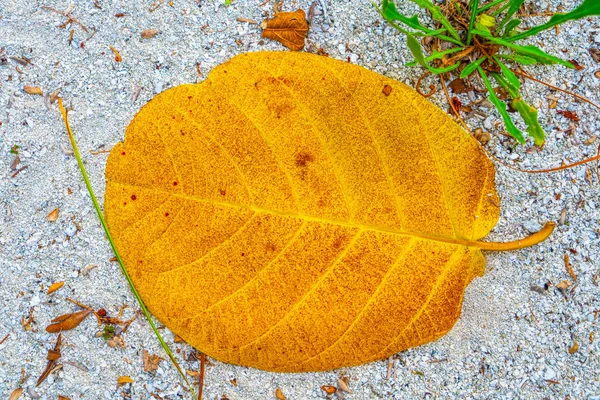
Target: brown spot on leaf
x: 387, y: 89
x: 303, y: 158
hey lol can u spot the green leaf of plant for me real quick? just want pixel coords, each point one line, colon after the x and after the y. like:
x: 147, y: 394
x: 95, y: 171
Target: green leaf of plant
x: 415, y: 49
x: 527, y: 112
x: 508, y: 74
x: 490, y: 5
x: 436, y: 55
x: 508, y: 122
x: 469, y: 69
x: 474, y: 4
x: 510, y: 27
x: 487, y: 20
x: 524, y: 60
x: 530, y: 116
x: 436, y: 14
x: 513, y: 7
x: 530, y: 51
x: 586, y: 9
x: 390, y: 13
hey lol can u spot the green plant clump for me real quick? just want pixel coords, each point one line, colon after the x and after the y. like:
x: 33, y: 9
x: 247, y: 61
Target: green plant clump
x: 480, y: 38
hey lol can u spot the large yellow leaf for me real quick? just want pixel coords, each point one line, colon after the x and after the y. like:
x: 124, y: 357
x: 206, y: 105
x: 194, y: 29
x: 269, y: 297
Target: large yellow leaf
x: 298, y: 213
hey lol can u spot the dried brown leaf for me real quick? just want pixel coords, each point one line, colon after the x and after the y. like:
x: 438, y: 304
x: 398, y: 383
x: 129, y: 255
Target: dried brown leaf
x: 572, y: 115
x: 55, y: 286
x: 343, y: 385
x: 149, y: 33
x: 16, y: 394
x: 569, y: 268
x: 151, y: 361
x: 482, y: 136
x: 118, y: 57
x: 458, y: 86
x: 573, y: 349
x: 329, y: 389
x: 124, y: 379
x: 33, y: 90
x: 53, y: 355
x: 67, y: 322
x: 288, y: 28
x: 248, y: 20
x: 590, y: 140
x: 53, y: 215
x: 63, y: 397
x: 116, y: 342
x: 279, y: 394
x: 564, y: 285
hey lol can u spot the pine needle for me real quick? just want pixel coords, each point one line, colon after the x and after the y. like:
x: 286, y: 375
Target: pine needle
x: 114, y: 249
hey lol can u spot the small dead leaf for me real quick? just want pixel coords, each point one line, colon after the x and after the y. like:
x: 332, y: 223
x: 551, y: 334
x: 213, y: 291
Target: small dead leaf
x: 55, y: 286
x: 343, y: 386
x: 250, y: 21
x: 193, y: 374
x: 569, y: 268
x: 590, y: 140
x: 564, y: 285
x: 458, y: 86
x: 116, y: 342
x: 67, y: 322
x: 124, y: 379
x: 572, y: 115
x: 481, y: 136
x: 597, y: 74
x: 288, y: 28
x: 573, y: 349
x: 149, y: 33
x: 88, y: 268
x: 53, y: 215
x: 279, y: 394
x: 33, y: 90
x: 118, y: 57
x: 15, y: 162
x: 329, y: 389
x: 53, y: 355
x: 15, y: 394
x: 63, y: 397
x: 151, y: 361
x: 563, y: 217
x: 178, y: 339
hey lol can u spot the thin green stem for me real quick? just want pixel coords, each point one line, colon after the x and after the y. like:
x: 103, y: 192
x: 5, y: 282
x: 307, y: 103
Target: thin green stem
x: 474, y: 5
x: 114, y: 248
x: 490, y: 5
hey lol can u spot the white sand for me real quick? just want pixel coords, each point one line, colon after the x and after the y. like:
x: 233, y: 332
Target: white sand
x: 511, y: 342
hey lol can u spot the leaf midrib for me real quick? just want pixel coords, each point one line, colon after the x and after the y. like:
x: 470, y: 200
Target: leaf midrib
x: 309, y: 218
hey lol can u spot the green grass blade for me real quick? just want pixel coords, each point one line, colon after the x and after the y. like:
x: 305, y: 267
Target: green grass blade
x: 490, y: 5
x: 586, y: 9
x: 510, y: 27
x: 508, y: 74
x: 469, y: 69
x: 88, y: 185
x: 415, y: 49
x: 474, y: 6
x: 520, y: 59
x: 530, y: 51
x: 436, y: 14
x: 508, y: 122
x: 513, y: 7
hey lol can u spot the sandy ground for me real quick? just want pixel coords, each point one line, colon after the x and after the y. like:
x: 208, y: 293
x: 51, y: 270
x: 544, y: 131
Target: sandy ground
x: 510, y: 342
